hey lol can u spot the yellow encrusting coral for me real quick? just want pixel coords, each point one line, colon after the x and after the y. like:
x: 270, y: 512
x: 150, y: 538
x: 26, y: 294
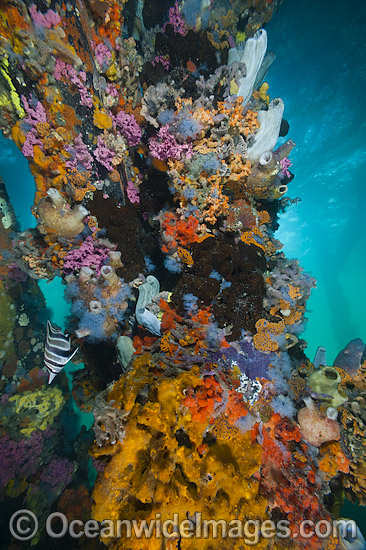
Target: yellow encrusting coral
x: 165, y: 465
x: 102, y: 120
x: 262, y: 339
x: 42, y: 407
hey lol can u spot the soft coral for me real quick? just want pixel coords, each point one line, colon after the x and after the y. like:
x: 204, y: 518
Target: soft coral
x: 287, y: 482
x: 177, y: 232
x: 201, y: 400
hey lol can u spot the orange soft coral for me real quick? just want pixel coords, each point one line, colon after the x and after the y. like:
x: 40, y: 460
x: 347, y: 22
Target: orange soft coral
x: 332, y: 460
x: 177, y: 232
x: 263, y: 217
x: 79, y: 183
x: 217, y: 203
x: 201, y: 400
x: 12, y: 21
x: 254, y: 236
x: 282, y: 479
x: 262, y: 339
x: 113, y: 21
x: 235, y: 408
x: 251, y: 123
x: 170, y: 316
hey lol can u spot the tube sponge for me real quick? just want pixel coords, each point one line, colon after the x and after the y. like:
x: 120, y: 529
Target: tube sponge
x: 252, y: 56
x: 125, y: 350
x: 320, y: 358
x: 270, y: 123
x: 147, y: 291
x: 148, y: 320
x: 264, y: 173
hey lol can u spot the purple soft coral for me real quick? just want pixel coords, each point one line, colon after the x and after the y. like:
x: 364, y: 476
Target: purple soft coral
x: 80, y: 154
x: 165, y: 146
x: 16, y: 273
x: 58, y: 473
x: 285, y: 165
x: 162, y: 60
x: 21, y: 459
x: 133, y: 193
x: 47, y: 20
x: 104, y: 155
x: 34, y: 115
x: 64, y: 70
x: 176, y: 20
x: 129, y: 127
x: 87, y: 255
x: 102, y: 55
x: 31, y: 140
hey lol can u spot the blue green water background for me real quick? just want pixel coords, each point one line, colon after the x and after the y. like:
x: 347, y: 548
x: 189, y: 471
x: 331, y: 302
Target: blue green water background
x: 320, y: 73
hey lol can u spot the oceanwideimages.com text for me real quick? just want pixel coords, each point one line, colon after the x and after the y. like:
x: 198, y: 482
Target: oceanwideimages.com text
x: 24, y: 525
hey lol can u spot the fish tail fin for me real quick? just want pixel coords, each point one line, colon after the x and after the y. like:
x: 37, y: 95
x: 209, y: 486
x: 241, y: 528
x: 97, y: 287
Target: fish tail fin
x: 51, y: 376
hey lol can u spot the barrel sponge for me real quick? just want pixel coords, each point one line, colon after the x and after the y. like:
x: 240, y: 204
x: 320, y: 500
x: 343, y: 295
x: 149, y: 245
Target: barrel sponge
x: 326, y: 381
x: 57, y: 217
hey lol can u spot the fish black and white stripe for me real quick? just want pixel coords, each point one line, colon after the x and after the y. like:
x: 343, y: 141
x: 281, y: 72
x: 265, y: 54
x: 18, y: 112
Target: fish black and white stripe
x: 57, y: 351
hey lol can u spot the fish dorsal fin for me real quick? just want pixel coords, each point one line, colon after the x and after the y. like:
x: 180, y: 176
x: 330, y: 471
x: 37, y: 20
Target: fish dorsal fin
x: 49, y: 328
x: 53, y: 328
x: 73, y: 353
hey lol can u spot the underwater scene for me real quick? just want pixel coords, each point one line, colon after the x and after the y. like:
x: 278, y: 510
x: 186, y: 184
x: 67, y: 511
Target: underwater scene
x: 182, y: 259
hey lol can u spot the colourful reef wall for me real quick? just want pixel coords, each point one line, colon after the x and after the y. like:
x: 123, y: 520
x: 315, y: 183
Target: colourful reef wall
x: 151, y: 134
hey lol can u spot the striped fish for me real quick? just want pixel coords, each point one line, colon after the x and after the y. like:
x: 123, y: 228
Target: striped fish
x: 56, y: 351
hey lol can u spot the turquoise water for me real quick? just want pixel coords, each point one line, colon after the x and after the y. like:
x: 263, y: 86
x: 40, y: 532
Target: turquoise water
x: 320, y: 73
x: 20, y: 186
x: 19, y: 182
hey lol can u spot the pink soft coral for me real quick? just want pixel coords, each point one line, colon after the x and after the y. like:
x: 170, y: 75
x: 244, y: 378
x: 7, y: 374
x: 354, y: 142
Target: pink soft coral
x: 165, y: 146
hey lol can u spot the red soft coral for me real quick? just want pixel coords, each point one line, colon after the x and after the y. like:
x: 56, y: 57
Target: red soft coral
x: 202, y: 399
x: 177, y: 232
x: 286, y: 481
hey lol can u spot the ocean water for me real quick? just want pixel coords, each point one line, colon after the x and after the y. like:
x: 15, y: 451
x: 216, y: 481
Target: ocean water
x: 20, y: 186
x: 19, y: 181
x: 320, y: 73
